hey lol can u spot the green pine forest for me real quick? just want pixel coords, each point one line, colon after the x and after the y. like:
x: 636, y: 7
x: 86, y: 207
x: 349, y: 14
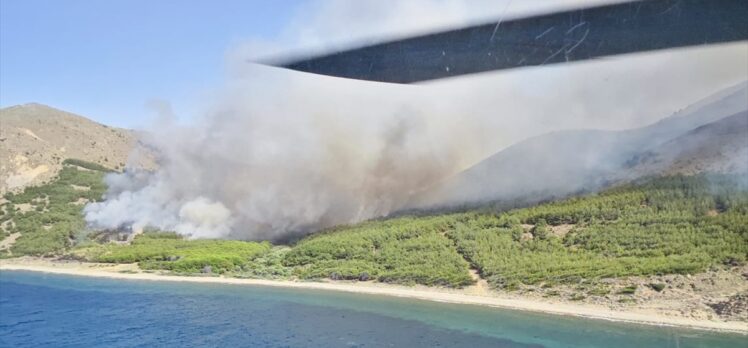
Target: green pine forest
x: 664, y: 225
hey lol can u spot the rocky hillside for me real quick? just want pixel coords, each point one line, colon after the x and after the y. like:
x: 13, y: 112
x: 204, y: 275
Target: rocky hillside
x: 35, y: 139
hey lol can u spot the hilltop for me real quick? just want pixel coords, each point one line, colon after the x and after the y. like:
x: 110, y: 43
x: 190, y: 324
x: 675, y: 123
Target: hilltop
x: 35, y: 139
x: 708, y: 135
x: 720, y: 146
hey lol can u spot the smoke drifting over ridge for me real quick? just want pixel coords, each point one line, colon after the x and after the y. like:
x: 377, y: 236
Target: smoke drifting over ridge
x: 282, y: 153
x: 255, y: 169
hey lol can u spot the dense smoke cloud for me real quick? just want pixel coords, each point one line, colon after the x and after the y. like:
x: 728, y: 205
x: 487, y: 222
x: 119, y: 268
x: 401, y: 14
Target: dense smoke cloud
x: 285, y: 155
x: 280, y: 153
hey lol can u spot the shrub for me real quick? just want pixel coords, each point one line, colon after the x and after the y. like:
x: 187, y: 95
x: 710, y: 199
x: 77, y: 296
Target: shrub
x: 577, y: 297
x: 629, y: 290
x: 86, y: 164
x: 540, y: 230
x: 657, y: 286
x: 599, y: 291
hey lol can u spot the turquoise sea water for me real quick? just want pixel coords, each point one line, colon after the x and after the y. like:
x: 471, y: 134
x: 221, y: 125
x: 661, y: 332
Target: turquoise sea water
x: 42, y: 310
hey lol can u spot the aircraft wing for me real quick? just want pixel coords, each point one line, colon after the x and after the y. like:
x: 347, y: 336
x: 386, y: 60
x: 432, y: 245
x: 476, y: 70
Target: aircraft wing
x: 554, y: 38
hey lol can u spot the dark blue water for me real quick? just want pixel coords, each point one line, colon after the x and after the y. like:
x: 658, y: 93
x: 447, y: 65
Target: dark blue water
x: 39, y: 310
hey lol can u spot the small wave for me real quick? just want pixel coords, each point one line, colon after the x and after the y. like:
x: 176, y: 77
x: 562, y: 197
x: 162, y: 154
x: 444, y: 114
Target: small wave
x: 18, y: 323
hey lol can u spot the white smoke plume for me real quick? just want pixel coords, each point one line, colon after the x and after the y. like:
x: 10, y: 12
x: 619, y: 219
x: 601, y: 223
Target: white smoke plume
x: 280, y: 153
x: 281, y: 156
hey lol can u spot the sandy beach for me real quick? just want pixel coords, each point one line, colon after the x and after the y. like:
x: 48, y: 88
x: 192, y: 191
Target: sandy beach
x: 131, y: 272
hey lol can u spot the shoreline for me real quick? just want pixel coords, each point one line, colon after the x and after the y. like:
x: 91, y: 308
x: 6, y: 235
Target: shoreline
x: 420, y: 293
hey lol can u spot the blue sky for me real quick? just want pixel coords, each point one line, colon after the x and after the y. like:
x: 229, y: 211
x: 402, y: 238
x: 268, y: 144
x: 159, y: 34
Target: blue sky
x: 107, y: 59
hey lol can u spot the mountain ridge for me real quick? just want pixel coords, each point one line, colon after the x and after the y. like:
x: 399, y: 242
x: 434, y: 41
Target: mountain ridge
x: 36, y: 138
x: 568, y: 161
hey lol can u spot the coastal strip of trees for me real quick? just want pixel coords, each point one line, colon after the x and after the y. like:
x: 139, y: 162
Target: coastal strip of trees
x: 666, y: 225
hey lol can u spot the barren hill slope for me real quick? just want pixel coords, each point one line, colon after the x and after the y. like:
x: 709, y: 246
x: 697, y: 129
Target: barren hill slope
x: 35, y: 139
x: 720, y: 146
x: 566, y: 162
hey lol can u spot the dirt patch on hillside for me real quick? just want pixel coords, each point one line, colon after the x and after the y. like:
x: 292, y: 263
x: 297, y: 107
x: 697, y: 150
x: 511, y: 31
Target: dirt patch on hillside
x: 23, y: 173
x: 561, y: 230
x: 8, y: 241
x: 80, y: 201
x: 24, y: 207
x: 480, y: 287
